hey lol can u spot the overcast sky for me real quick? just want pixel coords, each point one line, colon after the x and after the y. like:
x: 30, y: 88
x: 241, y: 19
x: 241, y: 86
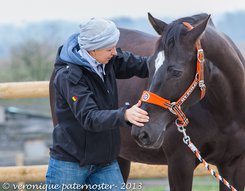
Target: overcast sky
x: 22, y: 11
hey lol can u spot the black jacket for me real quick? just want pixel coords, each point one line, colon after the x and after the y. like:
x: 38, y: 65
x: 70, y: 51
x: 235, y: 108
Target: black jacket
x: 87, y: 109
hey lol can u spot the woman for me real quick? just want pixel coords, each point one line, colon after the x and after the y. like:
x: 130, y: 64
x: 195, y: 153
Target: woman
x: 86, y: 140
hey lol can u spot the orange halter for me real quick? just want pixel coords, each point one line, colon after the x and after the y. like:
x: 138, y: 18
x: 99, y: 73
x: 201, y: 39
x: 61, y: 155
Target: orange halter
x: 175, y: 107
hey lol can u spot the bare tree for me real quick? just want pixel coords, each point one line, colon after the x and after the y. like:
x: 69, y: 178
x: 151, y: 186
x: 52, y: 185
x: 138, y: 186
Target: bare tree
x: 32, y: 60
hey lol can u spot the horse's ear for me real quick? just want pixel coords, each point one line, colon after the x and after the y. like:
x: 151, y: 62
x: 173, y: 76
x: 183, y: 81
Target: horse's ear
x: 157, y: 24
x: 198, y: 30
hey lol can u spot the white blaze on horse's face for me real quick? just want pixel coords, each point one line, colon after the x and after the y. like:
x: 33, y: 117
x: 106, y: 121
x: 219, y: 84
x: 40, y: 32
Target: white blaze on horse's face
x: 159, y: 60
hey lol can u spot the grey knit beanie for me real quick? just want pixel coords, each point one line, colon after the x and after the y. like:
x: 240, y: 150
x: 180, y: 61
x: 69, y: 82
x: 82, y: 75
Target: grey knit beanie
x: 97, y: 34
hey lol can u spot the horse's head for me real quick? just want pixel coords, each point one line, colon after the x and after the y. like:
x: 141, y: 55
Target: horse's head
x: 173, y: 69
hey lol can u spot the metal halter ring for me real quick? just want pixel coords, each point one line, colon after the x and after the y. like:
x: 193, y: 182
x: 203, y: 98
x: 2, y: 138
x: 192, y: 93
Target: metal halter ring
x: 173, y: 104
x: 179, y: 124
x: 196, y: 76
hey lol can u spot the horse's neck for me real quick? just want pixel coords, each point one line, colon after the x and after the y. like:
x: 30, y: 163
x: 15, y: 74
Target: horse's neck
x: 224, y: 54
x: 226, y: 87
x: 219, y: 92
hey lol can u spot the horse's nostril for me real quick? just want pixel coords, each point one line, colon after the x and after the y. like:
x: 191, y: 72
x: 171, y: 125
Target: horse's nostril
x: 143, y: 138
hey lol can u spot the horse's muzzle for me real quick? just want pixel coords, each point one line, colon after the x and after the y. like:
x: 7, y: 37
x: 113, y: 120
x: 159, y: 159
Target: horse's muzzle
x: 141, y: 137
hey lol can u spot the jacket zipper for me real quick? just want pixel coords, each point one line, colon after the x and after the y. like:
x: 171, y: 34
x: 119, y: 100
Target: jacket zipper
x: 102, y: 82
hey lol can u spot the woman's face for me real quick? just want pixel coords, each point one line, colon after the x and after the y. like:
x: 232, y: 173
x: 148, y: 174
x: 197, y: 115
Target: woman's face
x: 103, y: 55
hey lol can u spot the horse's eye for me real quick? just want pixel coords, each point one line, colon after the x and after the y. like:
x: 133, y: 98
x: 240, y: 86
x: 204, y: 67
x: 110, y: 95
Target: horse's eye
x: 174, y: 72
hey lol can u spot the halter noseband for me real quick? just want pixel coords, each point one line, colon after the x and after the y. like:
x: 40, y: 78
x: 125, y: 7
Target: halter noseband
x: 175, y: 107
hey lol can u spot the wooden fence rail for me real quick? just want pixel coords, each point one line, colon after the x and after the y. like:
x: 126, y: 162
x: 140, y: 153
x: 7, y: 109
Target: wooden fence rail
x: 37, y: 173
x: 14, y: 90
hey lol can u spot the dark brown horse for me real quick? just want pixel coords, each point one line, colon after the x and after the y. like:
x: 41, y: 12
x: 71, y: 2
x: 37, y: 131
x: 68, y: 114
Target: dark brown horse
x: 216, y: 122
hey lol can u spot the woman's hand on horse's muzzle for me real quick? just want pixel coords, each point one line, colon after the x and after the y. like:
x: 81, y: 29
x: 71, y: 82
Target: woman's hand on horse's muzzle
x: 136, y: 115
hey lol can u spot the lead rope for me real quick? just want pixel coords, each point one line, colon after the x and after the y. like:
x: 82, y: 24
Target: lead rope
x: 187, y: 141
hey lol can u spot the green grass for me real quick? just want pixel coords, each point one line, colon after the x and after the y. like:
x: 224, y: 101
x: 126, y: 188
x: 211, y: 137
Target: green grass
x: 199, y: 184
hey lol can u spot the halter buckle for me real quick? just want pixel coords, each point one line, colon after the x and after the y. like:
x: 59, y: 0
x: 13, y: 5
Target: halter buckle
x: 200, y: 55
